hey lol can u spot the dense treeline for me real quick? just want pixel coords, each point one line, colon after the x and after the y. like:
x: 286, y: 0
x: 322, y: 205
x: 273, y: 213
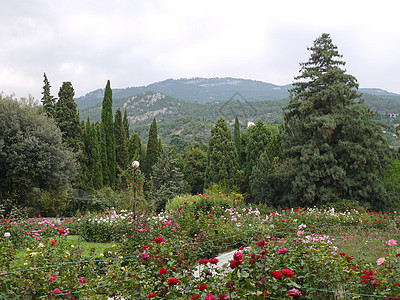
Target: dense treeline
x: 329, y: 148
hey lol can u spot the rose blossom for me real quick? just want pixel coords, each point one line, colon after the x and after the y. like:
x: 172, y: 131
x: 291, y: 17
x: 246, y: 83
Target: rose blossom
x: 53, y: 278
x: 238, y: 256
x: 380, y: 261
x: 288, y: 273
x: 295, y: 293
x: 213, y: 261
x: 172, y: 281
x: 163, y: 271
x: 282, y: 251
x: 159, y: 240
x: 151, y: 295
x: 145, y: 256
x: 392, y: 243
x: 276, y: 274
x: 57, y: 291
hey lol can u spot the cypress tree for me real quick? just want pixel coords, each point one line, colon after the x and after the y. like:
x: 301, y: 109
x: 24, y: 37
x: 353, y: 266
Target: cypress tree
x: 91, y: 161
x: 153, y: 148
x: 108, y: 139
x: 48, y: 100
x: 236, y: 137
x: 221, y: 156
x: 337, y: 149
x: 126, y: 124
x: 67, y: 117
x: 120, y: 141
x: 134, y: 148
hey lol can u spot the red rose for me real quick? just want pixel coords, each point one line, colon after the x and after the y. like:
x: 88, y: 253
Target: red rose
x: 235, y: 263
x: 163, y: 271
x: 172, y: 281
x: 203, y: 261
x: 276, y: 274
x: 53, y: 242
x: 151, y: 295
x: 288, y: 273
x: 159, y: 240
x: 201, y: 287
x: 213, y: 261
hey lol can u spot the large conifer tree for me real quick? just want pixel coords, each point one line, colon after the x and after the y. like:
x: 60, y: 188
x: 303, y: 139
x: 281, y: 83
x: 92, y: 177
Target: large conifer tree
x: 67, y: 117
x: 108, y: 139
x: 48, y: 101
x: 337, y: 149
x: 153, y: 148
x: 222, y: 156
x: 120, y: 141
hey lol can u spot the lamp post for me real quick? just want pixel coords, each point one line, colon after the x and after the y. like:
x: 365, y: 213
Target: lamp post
x: 135, y: 165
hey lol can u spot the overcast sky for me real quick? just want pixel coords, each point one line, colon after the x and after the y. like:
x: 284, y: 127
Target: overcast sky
x: 135, y: 43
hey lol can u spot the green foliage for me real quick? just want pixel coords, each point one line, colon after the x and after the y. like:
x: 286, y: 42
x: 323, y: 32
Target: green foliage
x: 134, y: 148
x: 48, y: 100
x: 91, y: 161
x: 222, y: 156
x: 338, y: 150
x: 153, y: 148
x: 260, y: 180
x: 194, y: 167
x: 108, y: 139
x: 120, y: 141
x: 167, y: 178
x: 67, y: 117
x: 32, y: 153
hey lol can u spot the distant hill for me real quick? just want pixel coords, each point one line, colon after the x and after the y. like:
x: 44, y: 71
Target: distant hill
x: 200, y: 90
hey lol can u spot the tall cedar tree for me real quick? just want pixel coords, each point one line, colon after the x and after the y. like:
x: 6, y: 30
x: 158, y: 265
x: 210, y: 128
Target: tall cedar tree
x: 338, y: 150
x: 221, y: 156
x: 166, y: 177
x: 261, y: 138
x: 194, y: 167
x: 236, y: 137
x: 67, y: 117
x: 48, y: 100
x: 108, y: 139
x: 120, y: 141
x: 126, y: 124
x: 134, y: 148
x: 93, y: 176
x: 153, y: 148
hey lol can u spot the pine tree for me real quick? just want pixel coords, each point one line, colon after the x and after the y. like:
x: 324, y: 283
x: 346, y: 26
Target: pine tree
x: 153, y: 148
x: 108, y: 139
x: 48, y: 100
x: 261, y: 138
x: 120, y: 141
x: 336, y: 147
x: 92, y: 174
x: 126, y: 124
x: 194, y: 167
x: 236, y: 137
x: 134, y: 148
x: 221, y: 156
x: 167, y: 178
x: 67, y: 117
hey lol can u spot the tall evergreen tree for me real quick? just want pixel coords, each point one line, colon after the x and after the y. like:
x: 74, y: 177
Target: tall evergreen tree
x: 194, y: 167
x: 108, y: 139
x: 134, y: 148
x: 120, y: 141
x: 126, y: 124
x: 236, y: 137
x: 48, y: 100
x: 92, y: 174
x: 222, y: 156
x: 167, y: 178
x: 338, y: 150
x: 153, y: 148
x: 261, y: 138
x: 67, y: 117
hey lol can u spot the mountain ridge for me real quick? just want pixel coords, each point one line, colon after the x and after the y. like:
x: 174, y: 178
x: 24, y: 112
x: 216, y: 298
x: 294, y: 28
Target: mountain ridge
x: 207, y: 90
